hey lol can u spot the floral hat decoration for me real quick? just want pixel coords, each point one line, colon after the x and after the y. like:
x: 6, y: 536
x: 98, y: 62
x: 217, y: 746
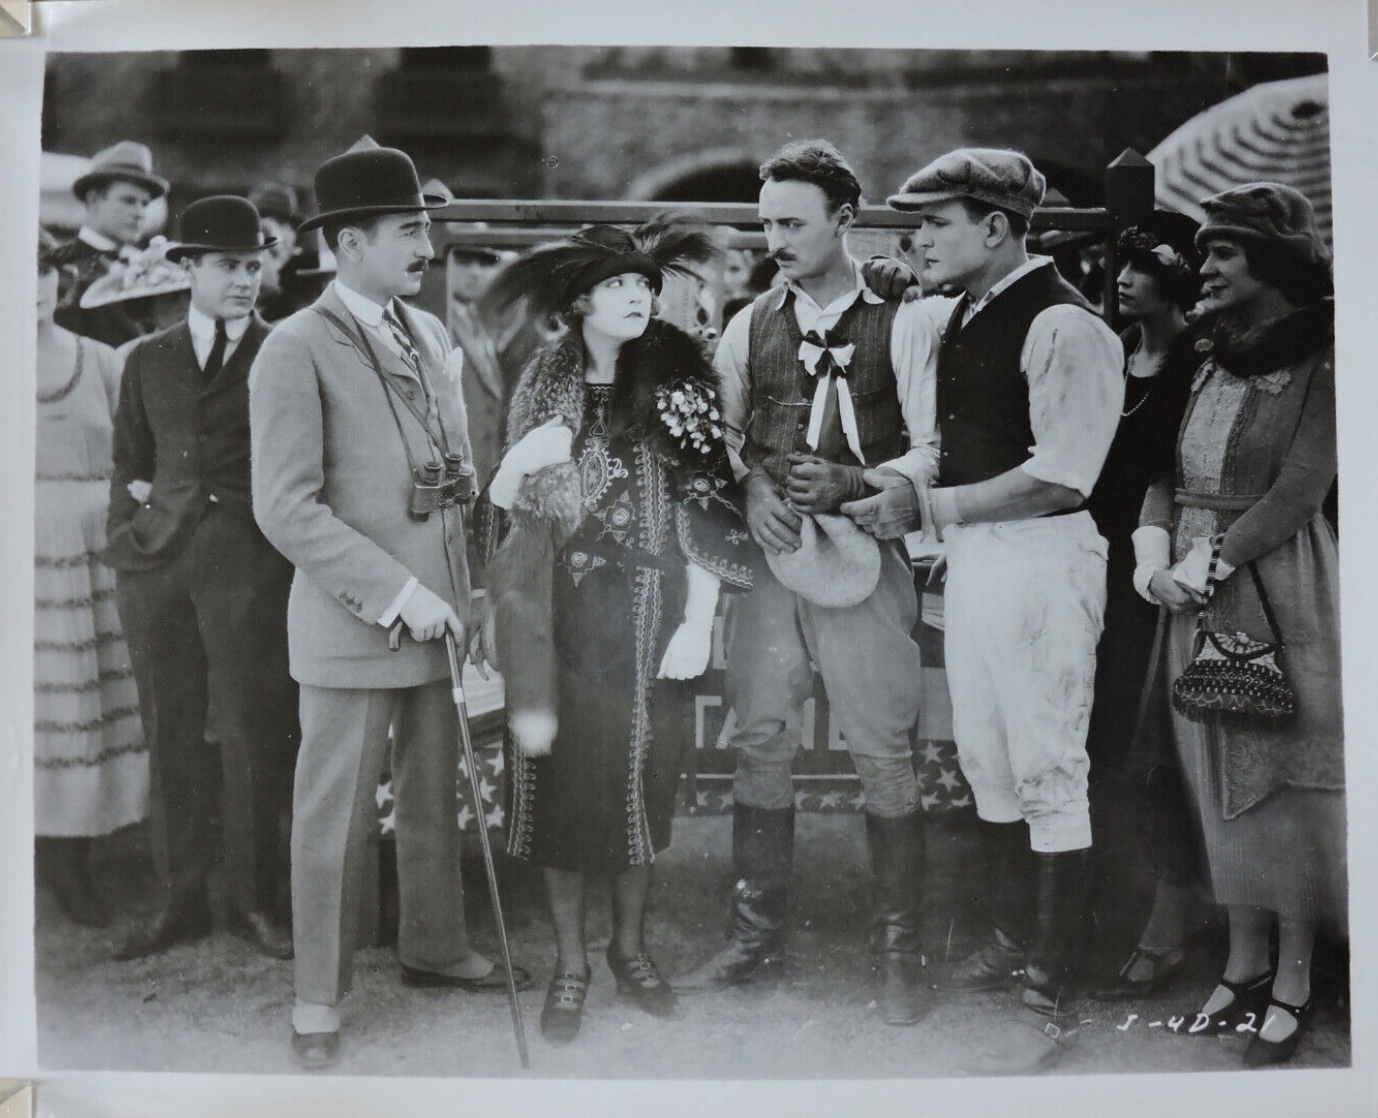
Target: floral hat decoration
x: 551, y: 276
x: 136, y: 275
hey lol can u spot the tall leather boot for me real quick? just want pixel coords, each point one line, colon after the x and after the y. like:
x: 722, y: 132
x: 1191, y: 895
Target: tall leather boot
x: 998, y: 963
x: 1045, y: 1026
x: 762, y: 859
x: 898, y: 852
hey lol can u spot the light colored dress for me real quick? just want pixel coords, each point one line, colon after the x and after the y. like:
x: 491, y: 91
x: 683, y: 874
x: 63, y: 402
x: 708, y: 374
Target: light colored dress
x: 1256, y: 458
x: 90, y: 764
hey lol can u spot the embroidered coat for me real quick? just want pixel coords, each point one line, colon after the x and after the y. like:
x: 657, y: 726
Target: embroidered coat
x: 1256, y: 459
x: 589, y: 585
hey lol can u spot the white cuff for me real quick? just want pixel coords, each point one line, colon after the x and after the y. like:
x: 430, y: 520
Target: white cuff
x: 403, y: 596
x: 1152, y: 547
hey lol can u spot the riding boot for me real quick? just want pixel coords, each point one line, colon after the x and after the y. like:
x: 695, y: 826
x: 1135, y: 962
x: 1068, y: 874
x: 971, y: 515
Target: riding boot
x: 762, y: 859
x: 1045, y: 1026
x: 1010, y: 878
x: 897, y: 867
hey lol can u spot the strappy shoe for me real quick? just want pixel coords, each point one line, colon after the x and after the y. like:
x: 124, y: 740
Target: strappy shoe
x: 1246, y: 998
x: 563, y: 1011
x: 1162, y: 967
x: 1263, y: 1052
x: 640, y: 979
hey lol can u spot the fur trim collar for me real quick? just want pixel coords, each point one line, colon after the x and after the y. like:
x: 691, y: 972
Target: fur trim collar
x: 1273, y: 345
x: 553, y: 384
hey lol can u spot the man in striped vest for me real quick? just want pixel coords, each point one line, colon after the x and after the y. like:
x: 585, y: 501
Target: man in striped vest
x: 821, y: 380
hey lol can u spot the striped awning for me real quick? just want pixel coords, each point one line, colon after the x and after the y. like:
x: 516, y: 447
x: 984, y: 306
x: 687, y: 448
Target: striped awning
x: 1274, y: 132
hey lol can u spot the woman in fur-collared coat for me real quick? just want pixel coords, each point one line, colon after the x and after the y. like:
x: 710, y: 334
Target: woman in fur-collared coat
x: 622, y: 524
x: 1255, y: 462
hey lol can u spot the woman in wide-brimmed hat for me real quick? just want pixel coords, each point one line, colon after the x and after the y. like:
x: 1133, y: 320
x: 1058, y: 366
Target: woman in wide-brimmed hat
x: 1239, y: 524
x: 622, y: 526
x: 90, y: 763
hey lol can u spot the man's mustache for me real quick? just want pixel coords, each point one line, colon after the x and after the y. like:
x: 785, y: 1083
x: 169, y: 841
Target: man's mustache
x: 418, y: 266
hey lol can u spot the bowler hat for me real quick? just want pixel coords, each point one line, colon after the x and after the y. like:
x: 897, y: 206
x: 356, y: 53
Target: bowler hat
x: 220, y: 223
x: 277, y: 200
x: 1006, y: 179
x: 837, y: 564
x: 125, y: 161
x: 367, y: 182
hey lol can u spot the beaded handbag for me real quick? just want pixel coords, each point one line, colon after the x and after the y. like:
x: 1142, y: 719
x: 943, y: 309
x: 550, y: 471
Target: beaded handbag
x: 1235, y: 678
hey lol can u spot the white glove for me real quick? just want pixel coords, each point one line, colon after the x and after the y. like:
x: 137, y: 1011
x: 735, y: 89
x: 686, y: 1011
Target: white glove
x: 140, y: 490
x: 533, y: 732
x: 1191, y: 572
x: 1152, y: 553
x: 546, y: 445
x: 686, y: 656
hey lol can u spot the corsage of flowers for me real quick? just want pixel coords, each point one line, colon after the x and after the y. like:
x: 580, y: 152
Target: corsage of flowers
x: 690, y: 411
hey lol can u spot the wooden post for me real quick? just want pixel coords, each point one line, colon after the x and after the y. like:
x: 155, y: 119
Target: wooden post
x: 1129, y: 190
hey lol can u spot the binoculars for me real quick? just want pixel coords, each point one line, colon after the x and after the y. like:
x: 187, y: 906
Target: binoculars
x: 435, y: 486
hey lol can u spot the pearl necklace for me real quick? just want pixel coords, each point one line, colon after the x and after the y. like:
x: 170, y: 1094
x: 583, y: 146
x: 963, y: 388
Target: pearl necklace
x: 1128, y: 367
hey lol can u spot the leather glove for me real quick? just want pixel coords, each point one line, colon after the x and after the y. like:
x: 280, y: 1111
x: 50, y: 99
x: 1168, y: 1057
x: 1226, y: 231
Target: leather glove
x: 546, y: 445
x: 890, y: 513
x: 890, y: 278
x: 1192, y: 571
x: 815, y: 485
x: 1152, y: 553
x: 772, y: 523
x: 686, y: 656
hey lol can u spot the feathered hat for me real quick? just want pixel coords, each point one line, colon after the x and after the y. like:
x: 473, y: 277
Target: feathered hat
x: 551, y: 276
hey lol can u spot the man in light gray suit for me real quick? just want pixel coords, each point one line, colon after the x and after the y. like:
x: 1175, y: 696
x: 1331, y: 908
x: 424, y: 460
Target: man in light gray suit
x: 351, y: 401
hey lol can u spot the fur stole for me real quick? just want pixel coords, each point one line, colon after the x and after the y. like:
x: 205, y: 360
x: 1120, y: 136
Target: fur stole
x: 550, y: 503
x: 1249, y: 352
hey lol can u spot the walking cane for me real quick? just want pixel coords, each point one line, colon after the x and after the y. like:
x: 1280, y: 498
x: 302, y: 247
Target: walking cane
x: 471, y: 767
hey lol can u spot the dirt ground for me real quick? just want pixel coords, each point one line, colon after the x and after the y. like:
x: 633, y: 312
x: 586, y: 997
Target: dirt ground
x: 217, y: 1006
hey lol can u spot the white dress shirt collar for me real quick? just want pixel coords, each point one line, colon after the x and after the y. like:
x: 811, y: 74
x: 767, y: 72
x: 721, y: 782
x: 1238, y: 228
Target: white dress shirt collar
x: 203, y: 326
x: 1008, y: 281
x: 98, y: 241
x: 842, y: 302
x: 361, y: 306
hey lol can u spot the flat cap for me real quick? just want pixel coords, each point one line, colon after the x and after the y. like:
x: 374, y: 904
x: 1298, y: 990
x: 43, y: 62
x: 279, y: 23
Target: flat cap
x: 993, y: 175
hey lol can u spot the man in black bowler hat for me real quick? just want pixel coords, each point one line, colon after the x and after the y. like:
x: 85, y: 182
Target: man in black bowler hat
x: 115, y: 191
x: 350, y: 399
x: 202, y: 595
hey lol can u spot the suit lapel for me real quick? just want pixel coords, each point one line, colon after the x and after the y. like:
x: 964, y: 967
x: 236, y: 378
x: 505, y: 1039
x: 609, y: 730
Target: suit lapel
x: 356, y: 334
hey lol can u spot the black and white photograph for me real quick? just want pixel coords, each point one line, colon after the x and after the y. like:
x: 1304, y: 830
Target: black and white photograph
x: 634, y: 562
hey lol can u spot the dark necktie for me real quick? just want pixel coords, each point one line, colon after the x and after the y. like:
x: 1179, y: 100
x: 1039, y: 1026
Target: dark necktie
x: 215, y: 360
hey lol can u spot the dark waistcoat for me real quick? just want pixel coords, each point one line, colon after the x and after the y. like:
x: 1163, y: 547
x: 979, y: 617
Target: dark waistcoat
x: 983, y: 398
x: 782, y: 390
x: 189, y: 437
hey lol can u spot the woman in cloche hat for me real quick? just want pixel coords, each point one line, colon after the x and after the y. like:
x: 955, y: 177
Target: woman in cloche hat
x: 1235, y: 527
x: 622, y: 526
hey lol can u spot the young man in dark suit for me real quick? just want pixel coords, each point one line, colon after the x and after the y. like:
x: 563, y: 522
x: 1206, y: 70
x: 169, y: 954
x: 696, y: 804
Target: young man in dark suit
x: 202, y: 595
